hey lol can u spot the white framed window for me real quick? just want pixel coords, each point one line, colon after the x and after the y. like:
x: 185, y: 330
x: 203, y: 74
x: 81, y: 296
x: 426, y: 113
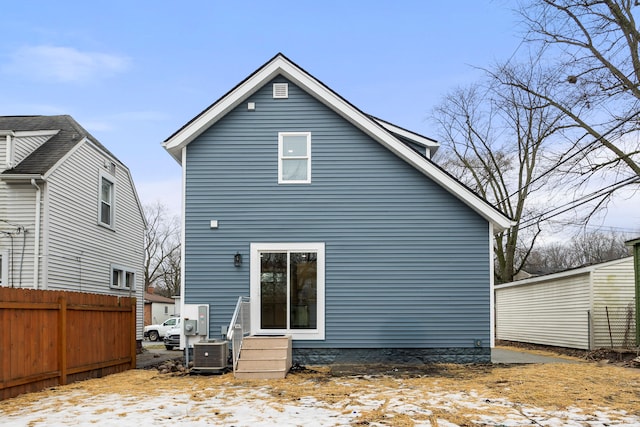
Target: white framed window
x: 122, y: 278
x: 288, y: 289
x: 4, y: 268
x: 106, y: 200
x: 294, y: 157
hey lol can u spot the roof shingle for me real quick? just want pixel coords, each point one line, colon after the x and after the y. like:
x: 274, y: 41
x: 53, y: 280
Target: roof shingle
x: 47, y: 155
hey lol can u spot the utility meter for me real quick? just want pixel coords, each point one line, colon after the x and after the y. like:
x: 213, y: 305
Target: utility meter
x: 190, y: 327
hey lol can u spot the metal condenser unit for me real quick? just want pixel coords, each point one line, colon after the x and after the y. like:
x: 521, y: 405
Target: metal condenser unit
x: 210, y: 355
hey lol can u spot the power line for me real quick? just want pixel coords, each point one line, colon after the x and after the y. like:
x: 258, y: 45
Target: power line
x: 589, y: 146
x: 578, y: 202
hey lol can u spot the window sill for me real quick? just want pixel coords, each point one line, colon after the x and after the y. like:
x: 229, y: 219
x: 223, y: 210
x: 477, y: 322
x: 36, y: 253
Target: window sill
x: 107, y: 226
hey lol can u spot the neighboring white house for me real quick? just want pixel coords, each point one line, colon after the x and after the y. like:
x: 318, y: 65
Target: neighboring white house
x: 585, y: 308
x: 70, y: 218
x: 157, y: 308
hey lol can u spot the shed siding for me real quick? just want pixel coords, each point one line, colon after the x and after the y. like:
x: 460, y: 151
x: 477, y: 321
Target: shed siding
x: 614, y: 289
x: 407, y: 264
x: 550, y: 313
x: 79, y: 252
x: 160, y: 312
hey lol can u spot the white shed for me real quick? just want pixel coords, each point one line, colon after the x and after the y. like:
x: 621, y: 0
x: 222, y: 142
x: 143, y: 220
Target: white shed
x: 585, y: 308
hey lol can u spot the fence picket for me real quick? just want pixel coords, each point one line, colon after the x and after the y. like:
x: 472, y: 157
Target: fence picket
x: 58, y: 337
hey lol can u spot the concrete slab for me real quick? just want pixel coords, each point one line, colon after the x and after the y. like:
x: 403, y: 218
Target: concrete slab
x: 502, y: 355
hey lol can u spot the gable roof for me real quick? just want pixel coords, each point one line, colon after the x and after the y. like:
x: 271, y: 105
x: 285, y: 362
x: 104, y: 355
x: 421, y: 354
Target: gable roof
x: 41, y: 160
x: 383, y: 132
x: 150, y: 298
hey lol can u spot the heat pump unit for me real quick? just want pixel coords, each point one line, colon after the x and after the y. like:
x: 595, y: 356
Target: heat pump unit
x: 210, y: 356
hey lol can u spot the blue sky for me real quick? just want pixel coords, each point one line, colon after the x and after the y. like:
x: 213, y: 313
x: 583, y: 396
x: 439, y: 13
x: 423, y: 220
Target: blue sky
x: 133, y: 72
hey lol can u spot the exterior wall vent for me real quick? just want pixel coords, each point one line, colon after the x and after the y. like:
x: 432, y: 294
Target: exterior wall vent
x: 110, y: 166
x: 280, y: 90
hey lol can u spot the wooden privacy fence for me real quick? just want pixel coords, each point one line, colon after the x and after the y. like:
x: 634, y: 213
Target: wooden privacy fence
x: 52, y: 338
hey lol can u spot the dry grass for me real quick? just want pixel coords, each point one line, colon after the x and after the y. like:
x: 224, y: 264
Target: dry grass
x: 496, y: 389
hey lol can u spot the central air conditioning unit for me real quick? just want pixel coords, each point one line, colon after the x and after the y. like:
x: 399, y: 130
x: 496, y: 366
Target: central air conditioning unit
x: 210, y: 356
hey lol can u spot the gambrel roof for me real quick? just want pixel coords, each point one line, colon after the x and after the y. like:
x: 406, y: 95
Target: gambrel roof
x: 390, y: 136
x: 66, y: 134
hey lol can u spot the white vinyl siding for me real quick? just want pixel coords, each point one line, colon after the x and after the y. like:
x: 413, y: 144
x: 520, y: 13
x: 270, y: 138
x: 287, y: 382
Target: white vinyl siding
x: 551, y: 313
x: 294, y: 157
x: 25, y: 143
x: 613, y: 291
x: 79, y: 253
x: 17, y: 231
x: 569, y: 309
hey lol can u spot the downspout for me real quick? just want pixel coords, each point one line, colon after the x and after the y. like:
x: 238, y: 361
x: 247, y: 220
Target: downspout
x: 636, y: 268
x: 36, y: 243
x: 492, y: 290
x: 8, y: 164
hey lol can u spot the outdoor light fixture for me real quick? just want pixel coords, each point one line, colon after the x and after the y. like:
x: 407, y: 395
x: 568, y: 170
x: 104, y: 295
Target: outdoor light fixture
x: 237, y: 259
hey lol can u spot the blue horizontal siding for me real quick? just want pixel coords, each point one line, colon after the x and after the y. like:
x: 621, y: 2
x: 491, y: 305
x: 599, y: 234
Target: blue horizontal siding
x: 407, y: 264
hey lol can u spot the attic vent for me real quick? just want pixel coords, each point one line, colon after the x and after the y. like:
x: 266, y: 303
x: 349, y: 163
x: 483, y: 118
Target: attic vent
x: 280, y: 90
x: 110, y: 166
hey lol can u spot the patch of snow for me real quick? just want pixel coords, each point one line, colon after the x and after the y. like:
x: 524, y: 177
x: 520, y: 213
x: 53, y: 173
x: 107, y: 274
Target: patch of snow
x: 256, y: 407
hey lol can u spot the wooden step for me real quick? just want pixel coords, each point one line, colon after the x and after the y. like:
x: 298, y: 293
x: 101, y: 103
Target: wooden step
x: 260, y: 375
x: 266, y: 342
x: 263, y: 353
x: 264, y: 357
x: 245, y: 364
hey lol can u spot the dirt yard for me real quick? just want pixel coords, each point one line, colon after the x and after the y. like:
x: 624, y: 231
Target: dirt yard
x: 583, y: 394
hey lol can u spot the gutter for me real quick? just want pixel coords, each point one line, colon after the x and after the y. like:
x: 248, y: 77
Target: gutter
x: 20, y: 176
x: 36, y: 244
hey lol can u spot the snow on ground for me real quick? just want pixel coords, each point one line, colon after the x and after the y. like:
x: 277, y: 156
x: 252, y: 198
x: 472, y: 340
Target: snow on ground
x: 255, y: 405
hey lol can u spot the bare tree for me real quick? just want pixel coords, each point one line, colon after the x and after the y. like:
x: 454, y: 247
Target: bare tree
x: 597, y: 247
x: 549, y: 258
x: 162, y: 251
x: 585, y: 249
x: 170, y: 281
x: 592, y: 46
x: 495, y: 135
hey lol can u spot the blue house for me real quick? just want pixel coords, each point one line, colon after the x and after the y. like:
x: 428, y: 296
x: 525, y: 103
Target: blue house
x: 344, y: 234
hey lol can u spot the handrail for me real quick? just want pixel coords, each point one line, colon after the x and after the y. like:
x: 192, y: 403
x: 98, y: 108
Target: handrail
x: 239, y: 326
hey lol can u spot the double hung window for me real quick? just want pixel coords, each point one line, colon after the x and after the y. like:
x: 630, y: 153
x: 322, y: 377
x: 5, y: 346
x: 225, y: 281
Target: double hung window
x: 106, y: 206
x: 294, y: 157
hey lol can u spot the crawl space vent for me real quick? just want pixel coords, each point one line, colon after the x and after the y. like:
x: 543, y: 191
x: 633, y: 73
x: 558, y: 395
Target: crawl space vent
x: 280, y: 90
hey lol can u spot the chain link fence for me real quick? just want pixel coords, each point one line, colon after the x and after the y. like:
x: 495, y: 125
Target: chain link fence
x: 621, y: 325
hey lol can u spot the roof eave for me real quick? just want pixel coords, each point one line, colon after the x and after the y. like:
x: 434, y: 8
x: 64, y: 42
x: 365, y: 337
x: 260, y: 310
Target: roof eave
x: 589, y: 269
x: 422, y: 140
x: 21, y: 176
